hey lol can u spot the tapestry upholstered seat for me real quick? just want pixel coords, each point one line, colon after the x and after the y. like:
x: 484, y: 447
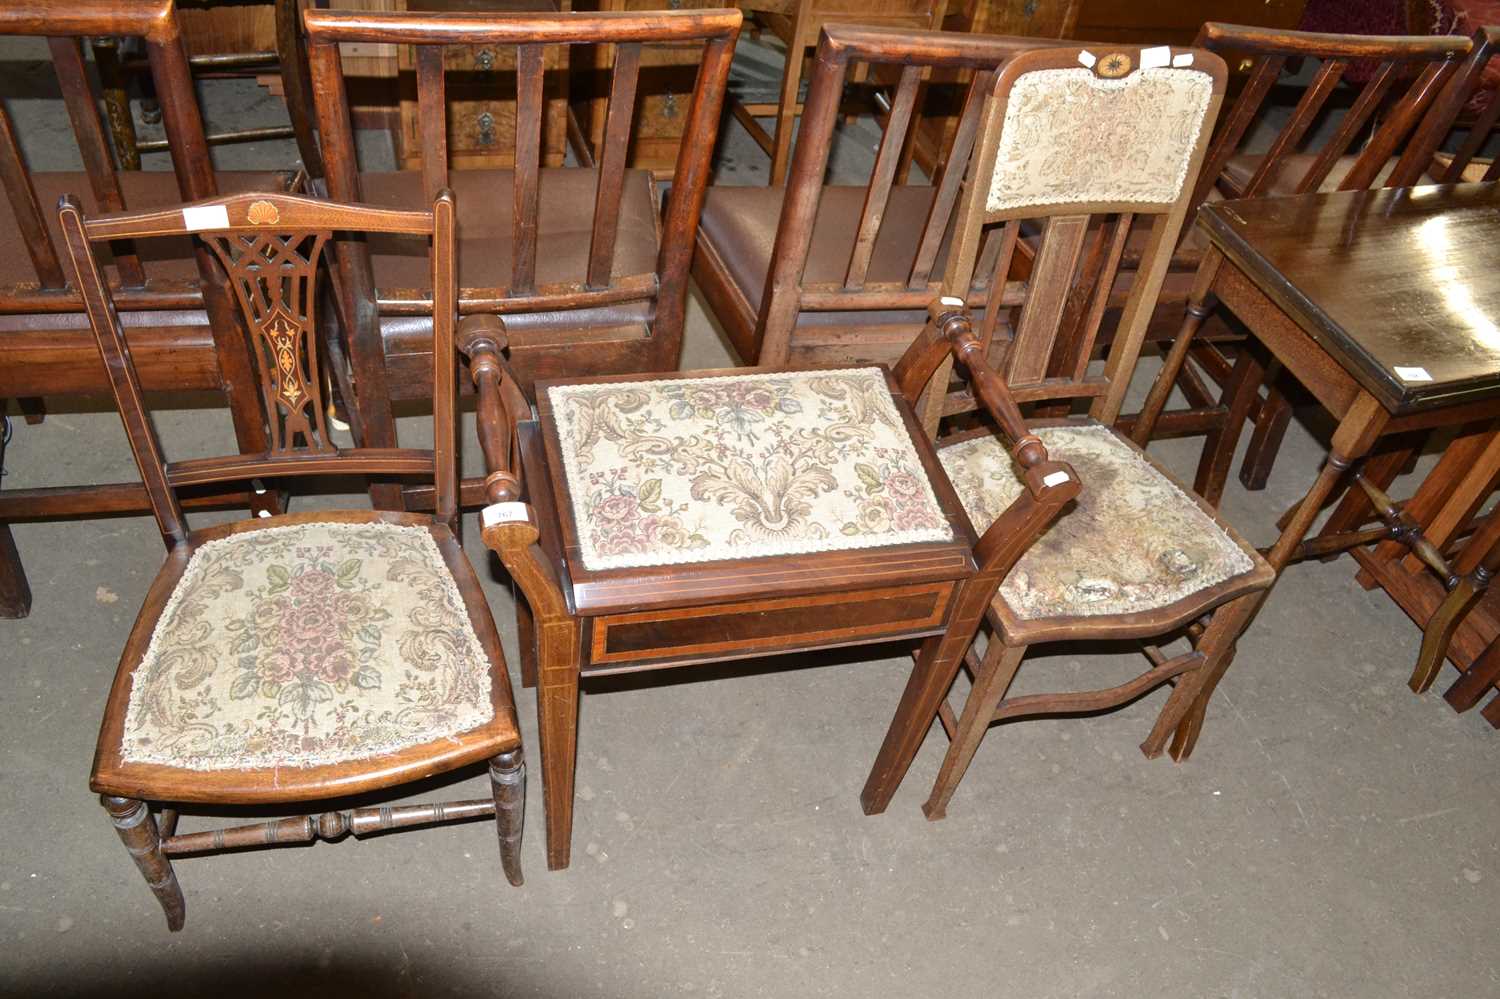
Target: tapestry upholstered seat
x: 307, y: 645
x: 1133, y: 541
x: 679, y: 470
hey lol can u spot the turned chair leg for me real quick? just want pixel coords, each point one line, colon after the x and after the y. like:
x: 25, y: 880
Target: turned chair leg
x: 15, y: 591
x: 136, y: 827
x: 508, y: 784
x: 990, y: 684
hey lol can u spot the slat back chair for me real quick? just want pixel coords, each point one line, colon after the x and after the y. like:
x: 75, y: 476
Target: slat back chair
x: 624, y: 303
x: 820, y: 273
x: 1069, y: 133
x: 181, y: 319
x: 1426, y: 158
x: 334, y: 653
x: 1399, y: 77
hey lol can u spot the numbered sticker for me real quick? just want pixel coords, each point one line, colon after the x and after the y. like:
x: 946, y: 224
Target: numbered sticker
x: 1055, y: 478
x: 504, y: 513
x: 1412, y: 374
x: 201, y: 217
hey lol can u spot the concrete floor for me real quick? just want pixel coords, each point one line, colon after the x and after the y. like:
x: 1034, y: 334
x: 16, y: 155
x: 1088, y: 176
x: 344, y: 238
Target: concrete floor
x: 1332, y: 836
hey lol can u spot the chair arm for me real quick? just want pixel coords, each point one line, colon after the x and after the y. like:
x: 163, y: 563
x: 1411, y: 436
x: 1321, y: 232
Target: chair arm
x: 502, y: 404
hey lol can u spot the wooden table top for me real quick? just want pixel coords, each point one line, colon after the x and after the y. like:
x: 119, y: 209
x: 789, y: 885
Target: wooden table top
x: 1401, y: 286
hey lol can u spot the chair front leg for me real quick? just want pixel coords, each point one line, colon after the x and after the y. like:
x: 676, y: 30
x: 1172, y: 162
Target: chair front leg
x: 136, y: 827
x: 508, y: 785
x: 994, y: 678
x: 560, y: 647
x: 510, y: 531
x: 1218, y: 646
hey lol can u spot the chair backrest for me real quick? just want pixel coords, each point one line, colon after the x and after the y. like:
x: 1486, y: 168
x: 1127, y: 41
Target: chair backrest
x: 531, y: 34
x: 1081, y: 142
x: 1414, y: 66
x: 912, y: 56
x: 1454, y: 111
x: 270, y: 246
x: 64, y: 23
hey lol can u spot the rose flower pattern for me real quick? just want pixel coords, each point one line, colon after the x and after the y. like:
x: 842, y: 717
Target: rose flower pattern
x: 308, y: 644
x: 699, y: 469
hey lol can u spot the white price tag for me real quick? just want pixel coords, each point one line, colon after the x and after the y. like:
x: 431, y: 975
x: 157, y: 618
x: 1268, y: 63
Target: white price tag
x: 504, y: 513
x: 1055, y: 478
x: 1182, y: 60
x: 1160, y: 55
x: 1087, y: 58
x: 201, y: 217
x: 1412, y: 374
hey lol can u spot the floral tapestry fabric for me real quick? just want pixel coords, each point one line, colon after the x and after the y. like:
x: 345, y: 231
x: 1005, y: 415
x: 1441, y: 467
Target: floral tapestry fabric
x: 701, y: 469
x: 304, y: 645
x: 1070, y: 137
x: 1133, y: 540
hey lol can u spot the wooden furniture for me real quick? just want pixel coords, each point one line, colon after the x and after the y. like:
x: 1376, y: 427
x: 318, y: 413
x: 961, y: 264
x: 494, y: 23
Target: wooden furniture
x: 1453, y: 117
x: 798, y: 24
x: 1415, y: 67
x: 307, y: 656
x: 576, y: 259
x: 817, y: 274
x: 480, y: 94
x: 1135, y: 556
x: 1047, y: 19
x: 696, y: 517
x: 668, y: 75
x: 183, y: 328
x: 1379, y: 303
x: 223, y: 39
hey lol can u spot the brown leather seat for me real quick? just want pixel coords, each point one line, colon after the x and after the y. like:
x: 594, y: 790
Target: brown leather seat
x: 163, y: 259
x: 739, y: 226
x: 486, y: 204
x: 1240, y: 168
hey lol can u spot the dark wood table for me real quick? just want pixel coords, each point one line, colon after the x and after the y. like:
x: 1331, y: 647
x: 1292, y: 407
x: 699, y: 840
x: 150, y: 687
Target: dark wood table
x: 1385, y: 305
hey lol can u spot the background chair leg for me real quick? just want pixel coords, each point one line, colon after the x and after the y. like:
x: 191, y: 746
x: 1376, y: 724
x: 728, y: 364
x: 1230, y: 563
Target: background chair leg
x: 994, y: 678
x: 1265, y: 440
x: 15, y: 591
x: 137, y: 829
x: 508, y: 784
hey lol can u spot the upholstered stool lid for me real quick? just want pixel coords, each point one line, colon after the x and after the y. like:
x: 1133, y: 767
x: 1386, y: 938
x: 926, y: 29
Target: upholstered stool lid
x: 682, y: 470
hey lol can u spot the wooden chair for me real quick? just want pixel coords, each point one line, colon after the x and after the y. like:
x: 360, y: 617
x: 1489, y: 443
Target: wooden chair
x: 1137, y: 556
x: 1415, y: 68
x: 181, y: 320
x: 577, y: 259
x: 305, y: 656
x: 818, y: 274
x: 1465, y: 116
x: 798, y: 24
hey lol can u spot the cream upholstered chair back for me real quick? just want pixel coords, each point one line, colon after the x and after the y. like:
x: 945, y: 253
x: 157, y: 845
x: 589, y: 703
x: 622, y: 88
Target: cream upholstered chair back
x: 1085, y: 155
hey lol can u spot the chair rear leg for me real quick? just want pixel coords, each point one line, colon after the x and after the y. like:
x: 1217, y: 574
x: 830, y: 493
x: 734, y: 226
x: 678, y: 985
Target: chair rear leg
x: 1218, y: 645
x: 508, y: 783
x: 136, y: 827
x: 1265, y: 440
x: 994, y: 678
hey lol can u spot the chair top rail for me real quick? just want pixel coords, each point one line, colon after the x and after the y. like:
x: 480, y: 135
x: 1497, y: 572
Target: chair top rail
x: 255, y: 212
x: 525, y: 28
x: 1218, y: 35
x: 938, y: 49
x: 150, y: 19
